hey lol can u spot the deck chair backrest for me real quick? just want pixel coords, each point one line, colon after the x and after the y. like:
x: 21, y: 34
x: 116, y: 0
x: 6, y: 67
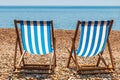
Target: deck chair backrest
x: 93, y: 38
x: 36, y: 36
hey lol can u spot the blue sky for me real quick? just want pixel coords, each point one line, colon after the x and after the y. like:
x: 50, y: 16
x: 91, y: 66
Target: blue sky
x: 60, y: 2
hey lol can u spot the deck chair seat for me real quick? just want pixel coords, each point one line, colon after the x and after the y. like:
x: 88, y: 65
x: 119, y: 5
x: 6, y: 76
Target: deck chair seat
x: 93, y: 38
x: 35, y: 37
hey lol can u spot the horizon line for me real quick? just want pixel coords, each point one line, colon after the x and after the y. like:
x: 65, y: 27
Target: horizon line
x: 47, y: 6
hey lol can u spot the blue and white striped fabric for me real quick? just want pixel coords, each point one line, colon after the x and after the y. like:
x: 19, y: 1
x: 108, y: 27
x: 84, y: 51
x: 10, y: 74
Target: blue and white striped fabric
x: 36, y: 36
x: 93, y: 38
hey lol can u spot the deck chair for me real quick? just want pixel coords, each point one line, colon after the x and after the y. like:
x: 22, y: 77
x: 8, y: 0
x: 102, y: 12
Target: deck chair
x: 34, y: 37
x: 93, y: 38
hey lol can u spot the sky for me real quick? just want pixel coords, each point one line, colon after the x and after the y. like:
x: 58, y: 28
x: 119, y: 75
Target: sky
x: 59, y: 2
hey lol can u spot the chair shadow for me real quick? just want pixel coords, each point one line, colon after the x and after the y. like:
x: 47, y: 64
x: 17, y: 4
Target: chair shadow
x: 32, y: 76
x: 90, y: 76
x: 95, y: 76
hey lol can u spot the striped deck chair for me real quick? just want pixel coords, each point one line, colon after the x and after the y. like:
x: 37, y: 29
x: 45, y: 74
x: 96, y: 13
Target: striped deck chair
x: 93, y: 38
x: 35, y: 37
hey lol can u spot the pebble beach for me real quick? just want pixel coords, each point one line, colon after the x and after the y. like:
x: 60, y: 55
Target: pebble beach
x: 63, y: 41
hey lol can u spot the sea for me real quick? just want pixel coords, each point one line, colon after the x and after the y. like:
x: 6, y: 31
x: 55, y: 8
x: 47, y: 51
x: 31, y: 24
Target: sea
x: 64, y: 17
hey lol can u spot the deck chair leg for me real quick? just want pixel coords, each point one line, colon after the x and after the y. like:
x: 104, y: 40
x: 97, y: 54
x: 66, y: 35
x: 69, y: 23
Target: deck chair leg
x: 54, y: 54
x: 15, y: 55
x: 22, y: 54
x: 98, y: 62
x: 21, y: 58
x: 55, y: 59
x: 111, y: 57
x: 103, y: 60
x: 76, y: 61
x: 70, y: 58
x: 51, y: 60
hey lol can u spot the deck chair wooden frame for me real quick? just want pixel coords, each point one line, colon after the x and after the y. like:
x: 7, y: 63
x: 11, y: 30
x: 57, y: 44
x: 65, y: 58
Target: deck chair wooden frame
x: 81, y: 68
x: 21, y: 65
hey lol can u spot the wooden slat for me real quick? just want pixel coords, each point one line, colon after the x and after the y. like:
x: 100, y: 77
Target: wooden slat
x: 94, y: 68
x: 90, y: 65
x: 92, y: 73
x: 37, y: 65
x: 34, y: 72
